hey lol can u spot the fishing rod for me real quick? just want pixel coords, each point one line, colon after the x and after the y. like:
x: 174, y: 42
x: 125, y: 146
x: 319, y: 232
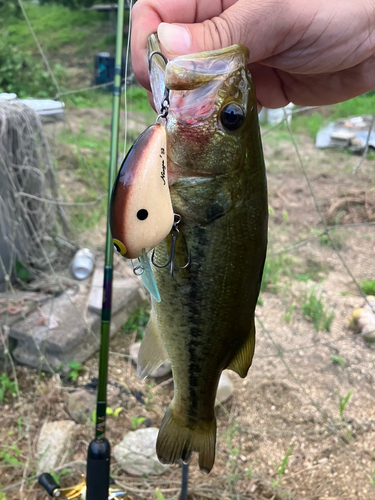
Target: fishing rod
x: 97, y: 483
x: 99, y: 451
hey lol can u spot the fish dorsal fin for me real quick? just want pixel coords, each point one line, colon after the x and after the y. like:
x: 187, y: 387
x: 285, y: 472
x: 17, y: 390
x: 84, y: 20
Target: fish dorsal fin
x: 244, y: 357
x: 141, y: 213
x: 152, y: 353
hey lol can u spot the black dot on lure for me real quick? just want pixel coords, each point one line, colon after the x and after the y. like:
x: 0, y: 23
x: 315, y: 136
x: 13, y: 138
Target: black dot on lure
x: 142, y: 214
x: 117, y: 248
x: 232, y: 116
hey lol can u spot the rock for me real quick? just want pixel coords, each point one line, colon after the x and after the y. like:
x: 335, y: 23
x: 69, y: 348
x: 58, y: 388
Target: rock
x: 136, y: 453
x: 225, y: 388
x: 54, y: 444
x: 163, y: 370
x: 362, y: 320
x: 80, y: 405
x: 134, y: 350
x: 75, y: 335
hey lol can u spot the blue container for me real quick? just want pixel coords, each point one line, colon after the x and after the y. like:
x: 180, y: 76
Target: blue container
x: 105, y: 69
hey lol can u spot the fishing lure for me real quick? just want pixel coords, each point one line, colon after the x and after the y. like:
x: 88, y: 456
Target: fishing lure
x: 141, y: 213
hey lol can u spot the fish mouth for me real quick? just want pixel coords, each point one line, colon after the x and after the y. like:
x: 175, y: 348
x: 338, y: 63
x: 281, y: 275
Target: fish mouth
x: 191, y: 71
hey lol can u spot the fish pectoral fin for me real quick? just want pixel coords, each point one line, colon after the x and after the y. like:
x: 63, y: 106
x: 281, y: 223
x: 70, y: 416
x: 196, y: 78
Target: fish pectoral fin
x: 152, y: 353
x: 244, y: 357
x: 176, y: 441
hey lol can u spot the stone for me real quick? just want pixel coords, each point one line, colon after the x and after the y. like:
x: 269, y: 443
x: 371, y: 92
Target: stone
x: 225, y: 388
x: 362, y: 320
x: 123, y: 277
x: 136, y: 453
x: 163, y: 370
x: 80, y: 405
x: 54, y: 444
x: 76, y: 332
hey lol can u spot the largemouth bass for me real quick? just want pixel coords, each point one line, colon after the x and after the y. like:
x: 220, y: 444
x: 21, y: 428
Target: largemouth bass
x: 205, y: 320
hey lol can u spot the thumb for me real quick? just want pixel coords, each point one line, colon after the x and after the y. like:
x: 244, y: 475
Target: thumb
x: 248, y: 23
x: 177, y: 39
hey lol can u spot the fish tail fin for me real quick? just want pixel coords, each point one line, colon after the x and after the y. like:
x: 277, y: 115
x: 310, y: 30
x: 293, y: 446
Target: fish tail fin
x: 176, y: 441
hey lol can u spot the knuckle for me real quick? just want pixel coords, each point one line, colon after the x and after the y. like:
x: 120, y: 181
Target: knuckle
x: 217, y: 33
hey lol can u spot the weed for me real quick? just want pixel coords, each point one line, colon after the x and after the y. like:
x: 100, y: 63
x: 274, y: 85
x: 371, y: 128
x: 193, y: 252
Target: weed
x: 343, y: 401
x: 10, y: 454
x: 149, y: 395
x: 108, y: 411
x: 314, y: 271
x: 338, y: 360
x: 58, y: 475
x: 289, y: 314
x: 273, y: 268
x: 159, y: 495
x: 285, y: 217
x: 115, y: 413
x: 281, y: 468
x: 75, y: 369
x: 249, y: 473
x: 314, y: 309
x: 137, y: 321
x: 137, y: 422
x: 311, y: 124
x: 368, y: 286
x: 372, y: 479
x: 7, y: 386
x: 303, y: 277
x: 333, y: 238
x: 232, y: 429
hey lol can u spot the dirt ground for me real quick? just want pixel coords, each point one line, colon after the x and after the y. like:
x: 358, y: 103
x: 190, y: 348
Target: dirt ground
x: 281, y: 435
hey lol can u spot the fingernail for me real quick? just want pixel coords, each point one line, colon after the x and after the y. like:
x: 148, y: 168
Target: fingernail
x: 176, y: 39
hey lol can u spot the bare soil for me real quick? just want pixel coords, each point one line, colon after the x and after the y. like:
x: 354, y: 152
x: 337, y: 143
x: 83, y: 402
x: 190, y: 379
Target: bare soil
x: 289, y: 402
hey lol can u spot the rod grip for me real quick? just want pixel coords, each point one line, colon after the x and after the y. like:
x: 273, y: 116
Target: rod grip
x: 48, y: 483
x: 97, y: 475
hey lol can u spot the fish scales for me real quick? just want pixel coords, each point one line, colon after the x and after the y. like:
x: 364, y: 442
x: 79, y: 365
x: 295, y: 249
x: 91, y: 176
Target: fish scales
x: 205, y: 320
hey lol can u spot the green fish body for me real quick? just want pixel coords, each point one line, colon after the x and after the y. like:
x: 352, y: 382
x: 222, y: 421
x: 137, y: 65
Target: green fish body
x: 205, y: 320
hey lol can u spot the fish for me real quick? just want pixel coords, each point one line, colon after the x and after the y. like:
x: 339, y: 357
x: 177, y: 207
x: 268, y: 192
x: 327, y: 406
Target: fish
x: 204, y: 322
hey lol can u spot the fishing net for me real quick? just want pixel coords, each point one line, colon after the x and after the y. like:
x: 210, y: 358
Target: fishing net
x: 31, y: 221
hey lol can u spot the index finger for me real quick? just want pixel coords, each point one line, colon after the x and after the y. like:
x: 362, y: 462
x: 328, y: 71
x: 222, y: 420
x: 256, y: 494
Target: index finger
x: 148, y: 14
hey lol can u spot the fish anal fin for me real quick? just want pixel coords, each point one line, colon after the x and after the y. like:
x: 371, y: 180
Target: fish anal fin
x: 152, y: 353
x: 176, y: 441
x: 244, y: 357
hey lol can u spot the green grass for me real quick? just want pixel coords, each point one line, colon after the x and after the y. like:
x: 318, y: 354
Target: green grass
x: 368, y: 286
x: 137, y: 321
x: 311, y: 124
x: 7, y: 387
x: 274, y: 267
x: 314, y: 308
x: 54, y: 25
x: 281, y: 468
x: 336, y: 238
x: 137, y: 101
x: 343, y: 401
x: 361, y: 105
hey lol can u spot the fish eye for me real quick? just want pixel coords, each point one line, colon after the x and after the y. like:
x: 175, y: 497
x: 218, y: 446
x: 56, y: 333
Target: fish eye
x: 119, y: 247
x: 142, y: 214
x: 232, y: 116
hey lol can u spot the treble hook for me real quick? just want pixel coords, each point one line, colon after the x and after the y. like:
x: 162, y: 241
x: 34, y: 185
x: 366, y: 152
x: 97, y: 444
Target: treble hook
x: 164, y: 107
x: 175, y: 233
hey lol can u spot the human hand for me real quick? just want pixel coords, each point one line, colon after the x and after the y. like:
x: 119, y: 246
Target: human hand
x: 309, y: 52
